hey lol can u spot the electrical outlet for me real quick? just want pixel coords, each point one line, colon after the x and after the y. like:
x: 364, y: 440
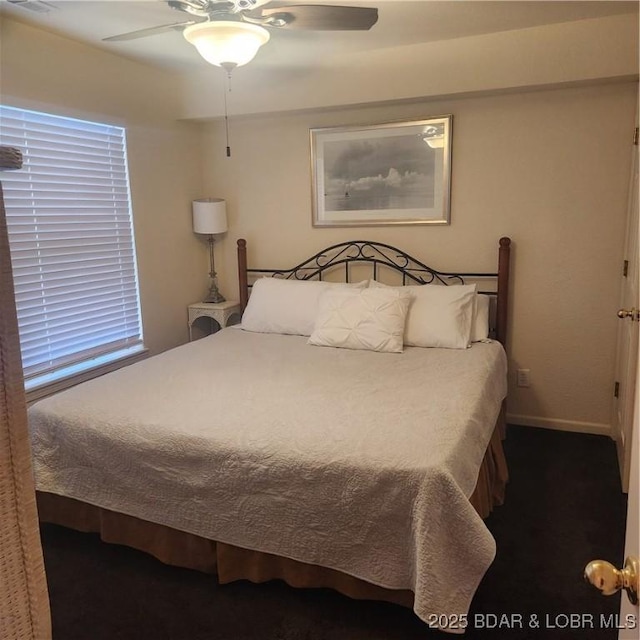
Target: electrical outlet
x: 524, y: 377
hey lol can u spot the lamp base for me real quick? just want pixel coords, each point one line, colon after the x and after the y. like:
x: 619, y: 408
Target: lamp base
x: 214, y: 295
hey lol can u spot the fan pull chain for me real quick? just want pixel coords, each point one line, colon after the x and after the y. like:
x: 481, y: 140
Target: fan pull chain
x: 226, y: 115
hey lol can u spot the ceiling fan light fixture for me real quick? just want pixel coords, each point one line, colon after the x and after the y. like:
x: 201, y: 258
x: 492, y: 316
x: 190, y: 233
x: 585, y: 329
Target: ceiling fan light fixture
x: 226, y: 43
x: 434, y: 136
x: 435, y: 143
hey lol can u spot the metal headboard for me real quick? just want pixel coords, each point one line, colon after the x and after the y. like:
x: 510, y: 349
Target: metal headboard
x: 379, y: 255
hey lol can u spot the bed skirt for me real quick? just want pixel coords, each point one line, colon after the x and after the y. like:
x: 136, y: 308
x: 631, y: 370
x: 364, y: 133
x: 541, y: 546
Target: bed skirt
x: 231, y: 563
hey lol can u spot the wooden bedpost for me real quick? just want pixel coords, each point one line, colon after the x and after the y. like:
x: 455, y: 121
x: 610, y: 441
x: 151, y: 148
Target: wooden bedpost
x: 242, y: 273
x: 503, y: 289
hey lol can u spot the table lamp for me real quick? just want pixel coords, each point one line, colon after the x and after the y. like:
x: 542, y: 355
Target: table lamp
x: 210, y: 218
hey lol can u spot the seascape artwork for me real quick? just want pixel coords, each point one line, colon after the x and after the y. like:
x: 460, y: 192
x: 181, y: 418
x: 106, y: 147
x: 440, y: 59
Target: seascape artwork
x: 396, y: 173
x: 385, y: 173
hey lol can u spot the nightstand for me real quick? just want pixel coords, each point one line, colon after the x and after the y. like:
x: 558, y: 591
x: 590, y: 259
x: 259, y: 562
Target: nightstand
x: 219, y: 312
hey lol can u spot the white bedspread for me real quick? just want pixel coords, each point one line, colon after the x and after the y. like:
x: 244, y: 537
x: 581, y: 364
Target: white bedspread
x: 353, y: 460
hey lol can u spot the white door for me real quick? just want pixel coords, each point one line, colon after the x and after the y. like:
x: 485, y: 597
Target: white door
x: 627, y: 353
x: 631, y: 463
x: 626, y: 413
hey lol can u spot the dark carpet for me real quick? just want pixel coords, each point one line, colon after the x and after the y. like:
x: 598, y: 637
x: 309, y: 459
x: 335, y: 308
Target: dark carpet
x: 564, y: 507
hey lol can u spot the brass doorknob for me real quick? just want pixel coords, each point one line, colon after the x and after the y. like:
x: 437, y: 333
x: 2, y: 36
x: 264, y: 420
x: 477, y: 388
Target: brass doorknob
x: 604, y: 576
x: 632, y: 313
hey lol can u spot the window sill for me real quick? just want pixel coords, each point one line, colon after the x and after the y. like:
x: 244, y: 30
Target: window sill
x: 48, y: 384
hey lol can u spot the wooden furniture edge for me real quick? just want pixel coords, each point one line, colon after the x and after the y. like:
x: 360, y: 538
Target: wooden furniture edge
x: 242, y: 274
x: 502, y: 303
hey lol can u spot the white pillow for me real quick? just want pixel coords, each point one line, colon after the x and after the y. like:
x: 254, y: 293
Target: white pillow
x: 439, y: 315
x: 371, y: 319
x: 284, y: 306
x: 480, y: 329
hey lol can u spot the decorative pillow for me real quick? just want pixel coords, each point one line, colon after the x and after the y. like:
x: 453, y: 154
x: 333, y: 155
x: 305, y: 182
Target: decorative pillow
x: 439, y: 315
x: 284, y: 306
x: 371, y: 319
x: 480, y: 329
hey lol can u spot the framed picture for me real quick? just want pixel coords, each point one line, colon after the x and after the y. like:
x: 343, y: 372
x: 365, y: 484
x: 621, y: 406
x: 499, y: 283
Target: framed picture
x: 385, y: 174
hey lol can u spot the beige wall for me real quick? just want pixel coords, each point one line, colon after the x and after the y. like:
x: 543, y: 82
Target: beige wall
x: 46, y: 72
x: 548, y: 168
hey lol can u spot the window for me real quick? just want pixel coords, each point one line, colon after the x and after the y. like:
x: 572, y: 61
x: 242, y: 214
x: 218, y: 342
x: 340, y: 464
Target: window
x: 72, y: 244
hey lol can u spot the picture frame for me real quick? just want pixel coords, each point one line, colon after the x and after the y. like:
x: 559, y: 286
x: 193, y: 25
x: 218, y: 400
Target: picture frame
x: 397, y: 173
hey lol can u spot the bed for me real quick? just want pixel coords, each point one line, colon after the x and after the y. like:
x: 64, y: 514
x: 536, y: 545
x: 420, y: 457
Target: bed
x: 272, y: 451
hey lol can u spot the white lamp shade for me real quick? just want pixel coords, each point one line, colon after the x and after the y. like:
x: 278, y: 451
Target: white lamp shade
x: 226, y: 43
x: 209, y: 216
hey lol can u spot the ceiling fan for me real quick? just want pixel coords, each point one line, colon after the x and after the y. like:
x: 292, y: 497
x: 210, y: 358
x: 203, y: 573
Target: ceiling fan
x: 228, y: 33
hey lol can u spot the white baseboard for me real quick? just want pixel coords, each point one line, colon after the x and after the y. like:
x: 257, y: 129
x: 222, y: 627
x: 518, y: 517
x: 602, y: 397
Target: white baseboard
x: 558, y: 424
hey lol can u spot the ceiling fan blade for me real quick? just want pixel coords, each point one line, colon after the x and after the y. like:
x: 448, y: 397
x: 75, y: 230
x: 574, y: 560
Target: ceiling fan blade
x: 151, y: 31
x: 320, y: 17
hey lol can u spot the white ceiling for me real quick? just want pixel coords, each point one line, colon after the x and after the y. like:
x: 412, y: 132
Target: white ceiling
x: 400, y: 23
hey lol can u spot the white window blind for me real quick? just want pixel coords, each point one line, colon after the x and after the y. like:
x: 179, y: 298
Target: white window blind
x: 71, y: 239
